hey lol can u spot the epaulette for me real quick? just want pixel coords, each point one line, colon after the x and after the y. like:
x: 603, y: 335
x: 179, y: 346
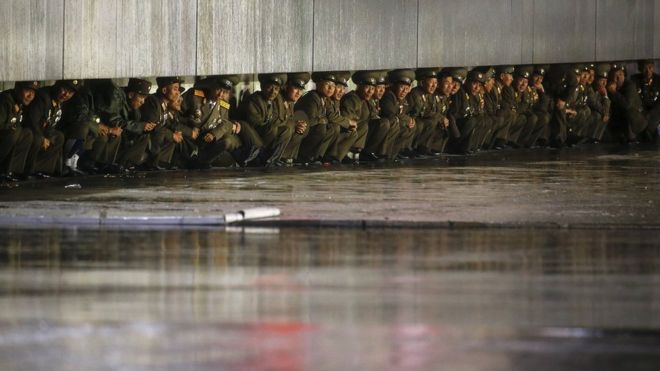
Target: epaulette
x: 224, y: 104
x: 199, y: 93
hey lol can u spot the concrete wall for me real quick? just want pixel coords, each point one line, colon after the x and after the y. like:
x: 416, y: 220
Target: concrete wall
x: 50, y: 39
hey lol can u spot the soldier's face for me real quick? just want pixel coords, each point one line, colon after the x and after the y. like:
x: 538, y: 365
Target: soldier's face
x: 648, y: 70
x: 401, y: 90
x: 271, y: 91
x: 592, y: 77
x: 455, y: 87
x: 619, y: 78
x: 537, y: 80
x: 171, y: 92
x: 64, y: 94
x: 224, y: 94
x: 326, y: 88
x: 293, y: 93
x: 379, y: 92
x: 584, y: 78
x: 340, y: 90
x: 447, y: 85
x: 429, y: 85
x: 601, y: 83
x: 136, y: 100
x: 475, y: 87
x: 366, y: 91
x: 489, y: 85
x: 506, y: 78
x: 519, y: 85
x: 26, y: 96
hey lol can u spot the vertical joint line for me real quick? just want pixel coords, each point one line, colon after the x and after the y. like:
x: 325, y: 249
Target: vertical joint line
x: 313, y: 30
x: 595, y: 53
x: 417, y: 48
x: 63, y: 36
x: 197, y: 38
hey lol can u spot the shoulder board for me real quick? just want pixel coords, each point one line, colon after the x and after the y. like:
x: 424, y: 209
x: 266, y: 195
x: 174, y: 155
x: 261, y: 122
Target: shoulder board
x: 199, y: 93
x: 224, y: 104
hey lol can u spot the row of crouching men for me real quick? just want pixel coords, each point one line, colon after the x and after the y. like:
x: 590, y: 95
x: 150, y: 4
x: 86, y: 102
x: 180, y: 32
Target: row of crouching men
x: 71, y: 128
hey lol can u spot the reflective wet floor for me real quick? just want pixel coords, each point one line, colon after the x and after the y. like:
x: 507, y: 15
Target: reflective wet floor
x: 330, y: 299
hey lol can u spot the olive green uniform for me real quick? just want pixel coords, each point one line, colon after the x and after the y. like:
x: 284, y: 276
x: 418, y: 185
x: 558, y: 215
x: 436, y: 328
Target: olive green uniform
x: 15, y: 140
x: 43, y: 118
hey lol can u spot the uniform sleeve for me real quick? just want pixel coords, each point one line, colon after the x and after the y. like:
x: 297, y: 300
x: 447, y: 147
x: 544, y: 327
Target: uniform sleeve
x: 255, y: 113
x: 34, y: 116
x: 150, y: 111
x: 5, y: 111
x: 335, y: 116
x: 311, y: 106
x: 350, y: 106
x: 389, y: 108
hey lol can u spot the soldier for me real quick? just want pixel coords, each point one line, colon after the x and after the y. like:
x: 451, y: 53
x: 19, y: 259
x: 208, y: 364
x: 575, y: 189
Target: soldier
x: 261, y: 111
x: 598, y: 106
x: 493, y: 114
x: 648, y: 87
x: 468, y: 109
x: 158, y: 108
x: 323, y: 131
x: 351, y: 136
x: 542, y: 103
x: 15, y: 140
x: 628, y: 119
x: 296, y: 120
x: 425, y: 109
x: 444, y: 96
x: 121, y: 108
x: 358, y: 105
x: 395, y: 108
x: 525, y: 101
x: 43, y: 118
x: 601, y: 95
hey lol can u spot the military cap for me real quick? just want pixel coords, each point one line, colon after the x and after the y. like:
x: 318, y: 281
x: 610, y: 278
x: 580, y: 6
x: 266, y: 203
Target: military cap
x: 272, y: 78
x: 617, y: 67
x: 524, y: 72
x: 207, y: 83
x: 381, y: 77
x: 425, y: 73
x: 228, y: 81
x: 342, y: 77
x: 457, y: 73
x: 21, y: 85
x: 579, y: 68
x: 487, y: 71
x: 401, y: 76
x: 590, y: 66
x: 167, y: 81
x: 364, y: 78
x: 643, y: 62
x: 324, y: 76
x: 541, y: 69
x: 73, y: 85
x: 505, y: 69
x: 298, y: 79
x: 477, y: 76
x: 139, y: 86
x: 603, y: 70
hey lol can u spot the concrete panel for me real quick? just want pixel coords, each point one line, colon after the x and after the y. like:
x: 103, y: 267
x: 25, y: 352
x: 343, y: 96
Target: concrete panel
x: 624, y: 29
x: 656, y: 26
x: 478, y: 32
x: 237, y: 36
x: 31, y: 42
x: 564, y: 31
x: 364, y: 34
x: 123, y: 38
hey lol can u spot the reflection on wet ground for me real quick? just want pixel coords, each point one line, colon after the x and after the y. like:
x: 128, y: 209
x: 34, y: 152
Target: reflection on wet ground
x: 330, y: 299
x: 581, y: 186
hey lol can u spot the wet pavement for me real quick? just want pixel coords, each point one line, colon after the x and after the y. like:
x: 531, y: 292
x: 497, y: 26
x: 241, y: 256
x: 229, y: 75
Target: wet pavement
x: 329, y: 299
x: 591, y: 185
x: 574, y: 286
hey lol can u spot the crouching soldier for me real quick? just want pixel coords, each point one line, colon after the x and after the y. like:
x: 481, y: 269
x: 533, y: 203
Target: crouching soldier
x: 296, y: 120
x: 395, y: 108
x: 121, y: 109
x: 628, y: 119
x: 262, y: 111
x: 424, y: 108
x: 43, y: 118
x: 351, y: 136
x: 15, y: 139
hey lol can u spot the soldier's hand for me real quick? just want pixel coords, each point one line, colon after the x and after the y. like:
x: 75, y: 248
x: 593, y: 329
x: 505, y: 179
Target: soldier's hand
x: 561, y: 104
x: 45, y: 144
x: 177, y: 137
x: 571, y: 112
x: 116, y: 131
x: 195, y: 133
x: 539, y: 87
x: 602, y: 90
x: 208, y: 138
x: 606, y: 119
x: 301, y: 126
x: 236, y: 128
x: 411, y: 124
x: 149, y: 126
x: 103, y: 130
x: 445, y: 122
x: 611, y: 87
x: 352, y: 125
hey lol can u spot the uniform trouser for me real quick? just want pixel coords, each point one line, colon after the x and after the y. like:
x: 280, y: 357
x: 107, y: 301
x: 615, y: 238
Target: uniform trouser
x: 184, y: 151
x: 47, y: 161
x: 105, y: 149
x: 518, y: 123
x: 531, y: 131
x: 466, y: 142
x: 133, y: 149
x: 209, y: 152
x: 15, y: 145
x: 161, y: 146
x: 380, y: 136
x: 424, y: 130
x: 362, y: 133
x: 343, y: 144
x: 558, y: 128
x: 499, y: 132
x: 318, y: 141
x: 578, y: 126
x: 630, y: 125
x: 293, y: 148
x: 275, y: 140
x: 249, y: 137
x: 439, y: 139
x: 544, y: 126
x: 596, y: 126
x: 653, y: 120
x: 403, y: 140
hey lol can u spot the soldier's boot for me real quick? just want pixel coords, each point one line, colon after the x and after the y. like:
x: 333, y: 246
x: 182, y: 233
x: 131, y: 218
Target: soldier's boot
x: 48, y: 161
x: 283, y: 135
x: 133, y: 153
